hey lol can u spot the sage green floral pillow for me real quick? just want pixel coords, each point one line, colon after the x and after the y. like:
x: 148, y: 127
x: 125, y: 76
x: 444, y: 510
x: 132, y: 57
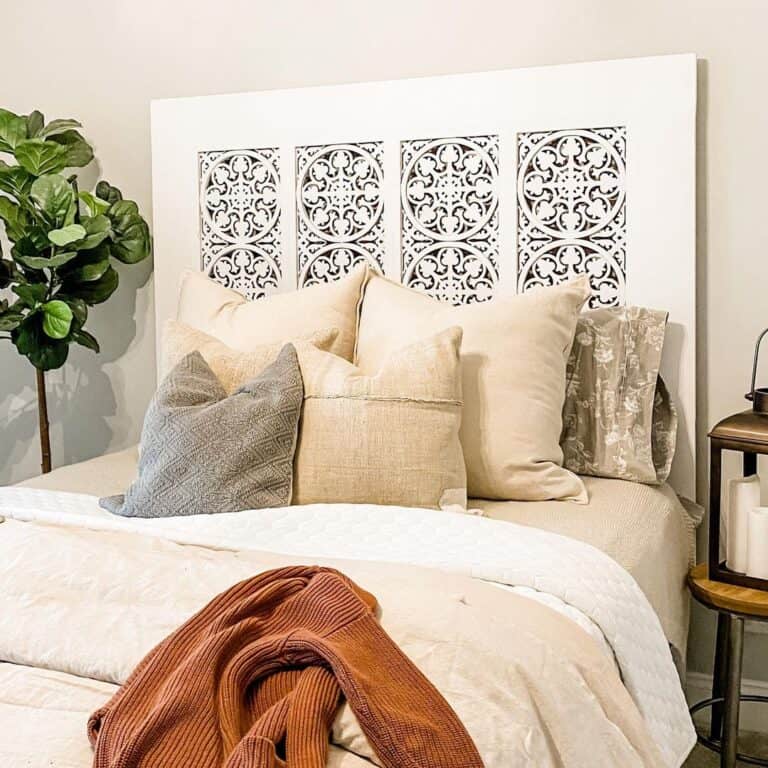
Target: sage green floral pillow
x: 618, y: 419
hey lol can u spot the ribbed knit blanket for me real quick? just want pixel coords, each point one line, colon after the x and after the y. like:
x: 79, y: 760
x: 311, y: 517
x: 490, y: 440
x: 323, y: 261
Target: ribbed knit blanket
x: 254, y: 679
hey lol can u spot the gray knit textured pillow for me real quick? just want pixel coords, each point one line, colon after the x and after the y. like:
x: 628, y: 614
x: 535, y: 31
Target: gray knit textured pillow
x: 205, y: 452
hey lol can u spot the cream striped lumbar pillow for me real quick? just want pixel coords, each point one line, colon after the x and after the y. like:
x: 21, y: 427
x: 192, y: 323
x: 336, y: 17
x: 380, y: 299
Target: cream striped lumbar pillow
x: 514, y: 355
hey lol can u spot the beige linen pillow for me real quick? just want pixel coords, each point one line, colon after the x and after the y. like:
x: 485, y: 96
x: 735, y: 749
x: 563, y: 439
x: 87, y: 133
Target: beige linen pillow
x: 390, y: 438
x: 241, y: 324
x: 514, y: 354
x: 232, y: 368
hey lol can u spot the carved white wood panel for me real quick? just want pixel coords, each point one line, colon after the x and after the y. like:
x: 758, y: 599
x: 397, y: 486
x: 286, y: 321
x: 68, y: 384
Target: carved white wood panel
x: 572, y: 210
x: 240, y: 219
x: 339, y: 207
x: 449, y: 223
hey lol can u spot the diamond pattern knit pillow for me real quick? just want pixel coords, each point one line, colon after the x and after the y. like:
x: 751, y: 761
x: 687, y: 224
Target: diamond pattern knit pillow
x: 205, y: 452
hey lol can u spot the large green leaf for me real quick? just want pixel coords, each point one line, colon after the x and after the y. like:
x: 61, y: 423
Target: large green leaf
x: 46, y: 262
x: 32, y: 243
x: 13, y: 130
x: 57, y: 319
x: 14, y: 217
x: 86, y: 340
x: 35, y: 122
x: 10, y: 316
x: 10, y: 319
x: 25, y: 246
x: 67, y: 235
x: 59, y: 126
x: 79, y: 312
x: 93, y: 292
x: 95, y: 205
x: 97, y: 229
x: 15, y: 180
x: 88, y: 266
x: 78, y: 151
x: 7, y: 273
x: 54, y: 195
x: 107, y: 192
x: 49, y: 355
x: 31, y: 295
x: 43, y: 352
x: 40, y: 157
x: 25, y: 337
x: 130, y: 233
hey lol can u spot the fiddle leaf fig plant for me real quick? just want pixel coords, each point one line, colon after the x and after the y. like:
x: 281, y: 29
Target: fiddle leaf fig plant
x: 63, y: 241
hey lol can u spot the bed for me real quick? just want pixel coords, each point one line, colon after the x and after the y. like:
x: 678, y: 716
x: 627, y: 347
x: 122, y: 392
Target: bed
x: 539, y: 622
x: 650, y: 536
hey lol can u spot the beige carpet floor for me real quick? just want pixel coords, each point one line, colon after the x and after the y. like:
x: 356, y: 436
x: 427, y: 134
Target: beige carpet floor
x: 749, y: 743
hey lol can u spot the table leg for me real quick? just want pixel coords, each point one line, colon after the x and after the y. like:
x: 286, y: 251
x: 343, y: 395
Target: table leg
x: 732, y: 692
x: 720, y: 676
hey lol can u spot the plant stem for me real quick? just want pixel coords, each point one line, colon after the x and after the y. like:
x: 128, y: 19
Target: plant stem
x: 73, y: 181
x: 42, y: 412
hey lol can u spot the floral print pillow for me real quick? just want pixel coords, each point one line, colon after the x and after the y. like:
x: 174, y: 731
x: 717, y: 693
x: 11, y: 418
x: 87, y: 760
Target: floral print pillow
x: 618, y: 419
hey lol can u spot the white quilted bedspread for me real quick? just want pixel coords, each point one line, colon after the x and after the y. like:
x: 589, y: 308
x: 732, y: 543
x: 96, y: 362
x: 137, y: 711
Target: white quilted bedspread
x: 562, y: 570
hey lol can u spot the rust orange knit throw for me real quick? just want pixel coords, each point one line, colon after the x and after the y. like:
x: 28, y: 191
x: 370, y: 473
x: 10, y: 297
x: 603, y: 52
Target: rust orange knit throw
x: 255, y: 678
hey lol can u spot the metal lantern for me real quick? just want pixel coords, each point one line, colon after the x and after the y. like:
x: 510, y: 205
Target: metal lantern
x: 758, y: 396
x: 746, y: 433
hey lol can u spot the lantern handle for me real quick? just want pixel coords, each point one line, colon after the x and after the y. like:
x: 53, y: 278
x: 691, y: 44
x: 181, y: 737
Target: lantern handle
x: 751, y: 395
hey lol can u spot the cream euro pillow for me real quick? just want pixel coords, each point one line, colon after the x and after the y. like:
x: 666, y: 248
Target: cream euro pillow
x: 232, y: 367
x: 388, y: 438
x: 223, y: 313
x: 514, y: 354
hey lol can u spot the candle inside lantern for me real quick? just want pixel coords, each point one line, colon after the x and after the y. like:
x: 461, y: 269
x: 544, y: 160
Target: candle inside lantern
x: 757, y: 543
x: 743, y: 497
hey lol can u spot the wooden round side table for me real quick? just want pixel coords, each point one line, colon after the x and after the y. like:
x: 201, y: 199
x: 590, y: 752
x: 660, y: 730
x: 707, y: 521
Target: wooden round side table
x: 733, y: 604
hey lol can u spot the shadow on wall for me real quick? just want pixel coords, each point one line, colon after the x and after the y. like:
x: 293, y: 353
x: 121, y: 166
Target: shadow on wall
x: 81, y: 396
x: 702, y: 261
x: 702, y: 637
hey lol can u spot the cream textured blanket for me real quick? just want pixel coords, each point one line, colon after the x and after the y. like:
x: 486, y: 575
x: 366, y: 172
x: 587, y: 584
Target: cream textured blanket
x: 526, y: 682
x: 581, y: 577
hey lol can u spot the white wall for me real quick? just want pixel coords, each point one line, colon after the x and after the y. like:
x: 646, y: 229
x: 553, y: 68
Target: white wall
x: 102, y: 62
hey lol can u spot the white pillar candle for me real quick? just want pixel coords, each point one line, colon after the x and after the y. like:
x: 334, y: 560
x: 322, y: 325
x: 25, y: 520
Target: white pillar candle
x: 757, y: 543
x: 743, y: 497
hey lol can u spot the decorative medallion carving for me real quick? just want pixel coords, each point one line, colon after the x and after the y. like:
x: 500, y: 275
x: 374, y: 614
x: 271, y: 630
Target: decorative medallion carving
x: 339, y: 207
x: 240, y: 219
x: 571, y: 210
x: 449, y: 217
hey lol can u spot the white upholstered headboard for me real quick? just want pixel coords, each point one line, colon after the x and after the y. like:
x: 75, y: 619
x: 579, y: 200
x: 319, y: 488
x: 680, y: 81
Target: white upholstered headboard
x: 462, y: 186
